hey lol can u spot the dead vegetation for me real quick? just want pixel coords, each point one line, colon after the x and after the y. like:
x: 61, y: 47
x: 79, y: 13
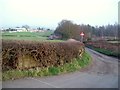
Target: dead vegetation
x: 26, y: 54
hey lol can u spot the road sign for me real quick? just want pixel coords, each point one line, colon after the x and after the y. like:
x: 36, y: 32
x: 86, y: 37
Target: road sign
x: 82, y: 34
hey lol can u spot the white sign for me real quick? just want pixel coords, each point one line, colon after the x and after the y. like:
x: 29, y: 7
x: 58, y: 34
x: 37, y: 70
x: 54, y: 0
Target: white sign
x: 82, y: 34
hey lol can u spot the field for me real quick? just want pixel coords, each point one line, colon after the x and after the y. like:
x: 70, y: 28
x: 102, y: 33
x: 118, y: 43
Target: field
x: 31, y: 36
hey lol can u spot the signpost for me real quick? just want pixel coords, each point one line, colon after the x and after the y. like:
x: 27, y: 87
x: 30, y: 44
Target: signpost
x: 81, y: 34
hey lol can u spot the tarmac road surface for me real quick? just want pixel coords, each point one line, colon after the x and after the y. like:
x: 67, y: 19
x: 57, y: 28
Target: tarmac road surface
x: 102, y: 73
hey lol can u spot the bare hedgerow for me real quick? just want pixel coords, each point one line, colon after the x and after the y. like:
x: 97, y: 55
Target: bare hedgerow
x: 26, y: 54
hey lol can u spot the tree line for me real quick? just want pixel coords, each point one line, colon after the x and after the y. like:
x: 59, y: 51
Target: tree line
x: 67, y: 29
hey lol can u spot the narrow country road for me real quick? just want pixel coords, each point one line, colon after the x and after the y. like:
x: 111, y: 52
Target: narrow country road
x: 102, y: 73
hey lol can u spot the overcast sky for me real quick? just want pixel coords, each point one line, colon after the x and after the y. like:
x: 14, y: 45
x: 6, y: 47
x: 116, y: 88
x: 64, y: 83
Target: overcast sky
x: 47, y: 13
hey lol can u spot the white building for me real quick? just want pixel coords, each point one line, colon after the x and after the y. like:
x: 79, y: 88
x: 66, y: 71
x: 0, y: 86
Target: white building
x: 20, y: 29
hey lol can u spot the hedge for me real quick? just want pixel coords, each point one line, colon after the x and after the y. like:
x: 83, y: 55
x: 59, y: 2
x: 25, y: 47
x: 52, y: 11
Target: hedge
x: 29, y: 54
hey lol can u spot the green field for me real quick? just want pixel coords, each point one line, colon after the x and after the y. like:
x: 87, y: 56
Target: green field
x: 32, y: 36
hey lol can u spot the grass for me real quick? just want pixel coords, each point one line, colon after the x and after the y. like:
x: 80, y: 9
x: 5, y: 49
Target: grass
x: 27, y: 35
x: 30, y: 36
x: 105, y: 51
x: 113, y: 41
x: 76, y: 64
x: 39, y: 38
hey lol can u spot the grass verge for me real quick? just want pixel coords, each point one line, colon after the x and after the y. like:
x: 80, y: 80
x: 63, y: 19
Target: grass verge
x: 76, y: 64
x: 105, y: 51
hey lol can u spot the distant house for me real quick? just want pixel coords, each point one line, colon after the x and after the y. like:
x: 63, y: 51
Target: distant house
x: 41, y: 30
x: 21, y: 29
x: 2, y: 30
x: 17, y: 30
x: 32, y: 30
